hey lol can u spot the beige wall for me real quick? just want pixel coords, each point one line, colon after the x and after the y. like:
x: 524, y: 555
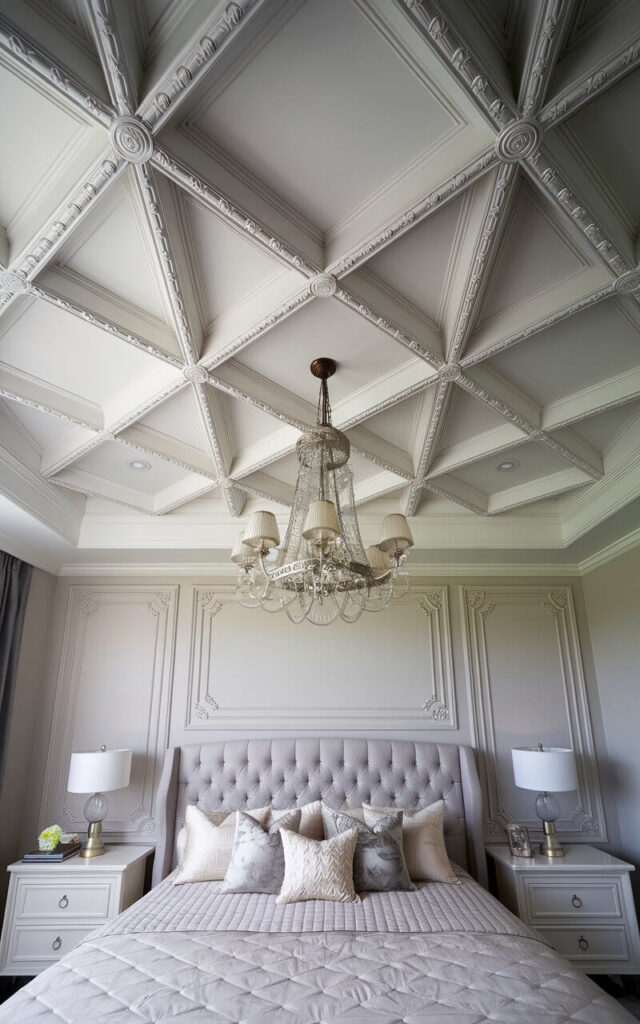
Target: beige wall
x: 34, y: 655
x: 141, y: 661
x: 612, y: 596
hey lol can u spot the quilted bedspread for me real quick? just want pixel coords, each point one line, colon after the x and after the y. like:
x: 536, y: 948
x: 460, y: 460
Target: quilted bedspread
x: 188, y: 955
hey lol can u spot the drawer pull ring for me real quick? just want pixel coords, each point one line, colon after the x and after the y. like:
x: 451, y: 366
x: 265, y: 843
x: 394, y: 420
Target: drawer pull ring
x: 64, y: 902
x: 577, y: 902
x: 56, y: 944
x: 582, y: 942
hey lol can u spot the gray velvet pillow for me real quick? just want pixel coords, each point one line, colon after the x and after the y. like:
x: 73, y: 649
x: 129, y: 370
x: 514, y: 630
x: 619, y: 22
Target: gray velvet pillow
x: 378, y: 862
x: 257, y: 858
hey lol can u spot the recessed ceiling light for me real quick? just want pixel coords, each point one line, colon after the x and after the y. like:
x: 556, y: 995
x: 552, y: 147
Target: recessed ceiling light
x: 508, y: 464
x: 140, y: 464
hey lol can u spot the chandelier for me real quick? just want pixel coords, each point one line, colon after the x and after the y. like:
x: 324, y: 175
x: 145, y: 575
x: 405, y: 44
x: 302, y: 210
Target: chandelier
x: 322, y: 572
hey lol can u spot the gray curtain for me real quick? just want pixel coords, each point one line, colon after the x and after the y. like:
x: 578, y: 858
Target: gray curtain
x: 15, y: 579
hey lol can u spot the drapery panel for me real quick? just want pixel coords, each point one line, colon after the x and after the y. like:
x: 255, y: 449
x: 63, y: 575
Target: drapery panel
x: 15, y: 579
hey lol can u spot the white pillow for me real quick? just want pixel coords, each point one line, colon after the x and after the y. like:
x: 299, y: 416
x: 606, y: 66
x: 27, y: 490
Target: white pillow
x: 318, y: 869
x: 225, y: 822
x: 205, y: 844
x: 423, y: 841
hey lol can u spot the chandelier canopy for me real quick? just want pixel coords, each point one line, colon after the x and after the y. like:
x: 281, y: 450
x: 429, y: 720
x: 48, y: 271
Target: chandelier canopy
x: 321, y: 572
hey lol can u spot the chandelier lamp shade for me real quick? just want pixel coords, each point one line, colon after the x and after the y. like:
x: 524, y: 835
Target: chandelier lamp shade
x: 321, y: 572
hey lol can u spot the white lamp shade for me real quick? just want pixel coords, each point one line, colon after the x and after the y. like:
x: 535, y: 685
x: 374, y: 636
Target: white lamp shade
x: 321, y: 521
x: 99, y: 771
x: 241, y: 553
x: 395, y: 533
x: 261, y: 531
x: 550, y: 770
x: 379, y: 562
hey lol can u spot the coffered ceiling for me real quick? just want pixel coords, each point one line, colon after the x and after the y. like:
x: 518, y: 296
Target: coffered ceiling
x: 197, y: 199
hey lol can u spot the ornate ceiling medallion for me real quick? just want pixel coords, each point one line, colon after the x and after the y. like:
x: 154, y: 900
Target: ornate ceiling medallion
x: 131, y: 139
x: 11, y: 283
x: 323, y: 286
x: 195, y: 374
x: 322, y: 572
x: 518, y: 140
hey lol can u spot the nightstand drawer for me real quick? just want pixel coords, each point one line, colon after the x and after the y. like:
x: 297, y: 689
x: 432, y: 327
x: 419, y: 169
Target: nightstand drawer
x: 603, y: 944
x: 61, y: 900
x: 42, y: 945
x: 570, y: 899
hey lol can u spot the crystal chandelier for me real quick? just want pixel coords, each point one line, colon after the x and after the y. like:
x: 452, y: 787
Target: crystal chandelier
x: 322, y: 572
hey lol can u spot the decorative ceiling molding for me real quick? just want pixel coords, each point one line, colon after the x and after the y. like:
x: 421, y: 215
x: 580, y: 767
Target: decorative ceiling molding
x: 115, y: 66
x: 432, y: 432
x: 180, y: 80
x: 553, y: 19
x: 594, y: 82
x: 22, y: 51
x: 486, y: 250
x: 458, y: 354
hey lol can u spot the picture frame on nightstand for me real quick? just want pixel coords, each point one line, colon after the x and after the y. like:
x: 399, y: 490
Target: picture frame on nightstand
x: 519, y: 841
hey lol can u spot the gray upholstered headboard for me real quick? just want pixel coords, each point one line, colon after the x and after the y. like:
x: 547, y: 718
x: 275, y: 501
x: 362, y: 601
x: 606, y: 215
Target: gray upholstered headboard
x: 229, y: 774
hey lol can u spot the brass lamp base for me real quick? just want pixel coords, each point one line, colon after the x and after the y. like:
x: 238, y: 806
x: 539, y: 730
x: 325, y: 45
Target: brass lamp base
x: 550, y: 845
x: 95, y: 846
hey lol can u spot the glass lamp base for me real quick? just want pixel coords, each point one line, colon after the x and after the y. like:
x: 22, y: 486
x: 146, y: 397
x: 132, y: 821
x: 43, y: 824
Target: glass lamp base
x: 95, y: 810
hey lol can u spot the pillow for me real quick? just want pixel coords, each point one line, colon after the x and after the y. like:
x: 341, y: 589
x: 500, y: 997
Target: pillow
x: 423, y: 841
x: 378, y: 862
x: 310, y: 820
x: 204, y: 845
x: 318, y: 869
x: 257, y: 860
x: 310, y: 826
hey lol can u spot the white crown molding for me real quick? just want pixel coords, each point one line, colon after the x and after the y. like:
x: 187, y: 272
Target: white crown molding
x: 610, y: 552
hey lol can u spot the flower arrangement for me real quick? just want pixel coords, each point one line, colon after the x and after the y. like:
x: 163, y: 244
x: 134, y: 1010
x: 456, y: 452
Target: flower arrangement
x: 49, y: 838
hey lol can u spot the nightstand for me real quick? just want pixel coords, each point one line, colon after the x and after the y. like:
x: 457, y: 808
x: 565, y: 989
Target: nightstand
x: 581, y: 903
x: 51, y: 907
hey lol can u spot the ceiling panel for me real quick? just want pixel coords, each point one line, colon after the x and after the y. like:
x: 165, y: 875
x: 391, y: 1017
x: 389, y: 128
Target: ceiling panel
x: 418, y: 265
x: 179, y: 417
x: 324, y: 328
x: 326, y: 71
x: 112, y: 462
x: 603, y: 428
x: 230, y: 269
x: 43, y: 427
x: 73, y: 355
x: 535, y: 255
x: 36, y: 157
x: 532, y: 461
x: 593, y: 345
x: 113, y: 249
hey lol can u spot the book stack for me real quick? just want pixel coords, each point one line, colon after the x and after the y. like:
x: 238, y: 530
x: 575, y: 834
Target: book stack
x: 62, y: 852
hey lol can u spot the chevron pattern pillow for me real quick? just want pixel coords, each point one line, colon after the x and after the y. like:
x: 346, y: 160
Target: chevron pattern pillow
x: 318, y: 869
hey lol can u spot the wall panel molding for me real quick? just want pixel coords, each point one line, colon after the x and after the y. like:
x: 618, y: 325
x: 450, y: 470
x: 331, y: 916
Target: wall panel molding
x: 113, y: 687
x: 425, y: 697
x: 551, y: 703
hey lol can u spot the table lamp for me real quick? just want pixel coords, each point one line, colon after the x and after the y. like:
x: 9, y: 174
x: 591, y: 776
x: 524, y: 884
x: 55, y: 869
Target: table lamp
x: 549, y: 770
x: 97, y: 772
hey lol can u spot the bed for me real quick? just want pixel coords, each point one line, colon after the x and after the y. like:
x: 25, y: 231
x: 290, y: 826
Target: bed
x: 191, y: 955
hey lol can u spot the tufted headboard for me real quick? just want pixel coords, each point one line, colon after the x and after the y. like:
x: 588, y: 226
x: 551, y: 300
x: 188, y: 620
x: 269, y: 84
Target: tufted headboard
x: 232, y: 774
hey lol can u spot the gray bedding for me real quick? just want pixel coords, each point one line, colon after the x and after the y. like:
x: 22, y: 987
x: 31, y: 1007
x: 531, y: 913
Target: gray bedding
x: 189, y: 955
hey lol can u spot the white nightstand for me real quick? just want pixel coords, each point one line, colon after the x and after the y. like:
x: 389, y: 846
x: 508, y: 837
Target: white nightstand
x: 50, y: 907
x: 581, y: 903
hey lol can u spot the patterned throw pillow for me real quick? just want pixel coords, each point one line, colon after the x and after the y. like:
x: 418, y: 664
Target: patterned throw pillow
x: 205, y: 844
x: 257, y: 861
x: 378, y: 863
x: 318, y: 869
x: 423, y: 841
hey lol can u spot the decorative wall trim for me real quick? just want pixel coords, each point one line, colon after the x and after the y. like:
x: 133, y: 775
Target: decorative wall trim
x: 83, y: 604
x: 586, y: 822
x: 204, y: 710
